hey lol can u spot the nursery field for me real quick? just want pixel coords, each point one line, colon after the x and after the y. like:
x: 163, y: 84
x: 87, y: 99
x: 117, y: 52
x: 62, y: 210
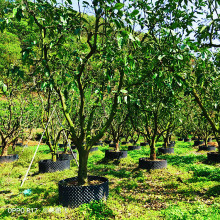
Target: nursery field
x: 189, y: 188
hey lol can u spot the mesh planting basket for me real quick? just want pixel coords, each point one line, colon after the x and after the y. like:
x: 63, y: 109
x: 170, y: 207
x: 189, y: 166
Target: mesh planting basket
x: 209, y: 148
x: 111, y: 155
x: 171, y: 144
x: 49, y: 166
x: 9, y: 158
x: 168, y: 150
x: 197, y: 143
x: 146, y: 163
x: 98, y: 144
x: 187, y: 140
x: 93, y: 149
x: 66, y: 156
x: 134, y: 147
x: 112, y: 145
x: 73, y: 196
x: 143, y: 144
x: 214, y: 157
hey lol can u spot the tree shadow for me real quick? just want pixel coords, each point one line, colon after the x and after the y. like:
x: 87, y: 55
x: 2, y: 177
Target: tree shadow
x: 5, y: 191
x: 214, y: 191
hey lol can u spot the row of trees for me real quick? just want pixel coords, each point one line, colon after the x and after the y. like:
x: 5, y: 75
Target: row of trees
x: 98, y: 66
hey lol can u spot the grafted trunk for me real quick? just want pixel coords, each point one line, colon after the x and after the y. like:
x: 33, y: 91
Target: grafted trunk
x: 83, y: 162
x: 152, y: 150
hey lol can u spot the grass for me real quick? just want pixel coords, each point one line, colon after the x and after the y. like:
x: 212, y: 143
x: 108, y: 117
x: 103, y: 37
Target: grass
x: 189, y: 188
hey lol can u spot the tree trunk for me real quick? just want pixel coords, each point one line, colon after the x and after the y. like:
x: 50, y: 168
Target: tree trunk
x: 218, y: 141
x: 152, y: 150
x: 117, y: 149
x: 166, y: 139
x: 5, y: 151
x: 65, y: 147
x: 206, y: 141
x: 54, y: 157
x: 165, y: 143
x: 83, y: 161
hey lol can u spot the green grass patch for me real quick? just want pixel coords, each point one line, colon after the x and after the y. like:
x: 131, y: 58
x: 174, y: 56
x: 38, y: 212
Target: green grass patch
x: 187, y: 189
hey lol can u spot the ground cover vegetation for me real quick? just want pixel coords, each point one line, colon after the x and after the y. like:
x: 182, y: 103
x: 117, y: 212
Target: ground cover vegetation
x: 131, y: 73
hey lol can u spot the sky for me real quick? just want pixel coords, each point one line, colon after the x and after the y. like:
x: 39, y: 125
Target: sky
x: 201, y: 18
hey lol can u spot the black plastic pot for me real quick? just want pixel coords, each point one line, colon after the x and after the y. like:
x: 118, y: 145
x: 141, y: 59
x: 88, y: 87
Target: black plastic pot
x: 98, y: 144
x: 214, y: 157
x: 144, y: 144
x: 131, y: 141
x: 62, y: 145
x: 111, y: 155
x: 187, y: 140
x: 112, y: 145
x: 73, y: 196
x: 9, y: 158
x: 134, y: 147
x: 69, y: 156
x: 171, y: 144
x: 197, y: 143
x: 107, y: 141
x: 166, y: 150
x: 49, y: 166
x: 93, y: 149
x: 180, y: 139
x: 146, y: 163
x: 209, y: 148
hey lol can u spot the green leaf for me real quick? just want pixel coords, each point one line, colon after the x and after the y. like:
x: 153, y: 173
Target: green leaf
x: 15, y: 11
x: 203, y: 28
x: 119, y: 99
x: 204, y: 56
x: 154, y: 76
x: 160, y: 57
x: 123, y: 91
x: 117, y: 23
x: 135, y: 12
x: 4, y: 88
x: 180, y: 57
x: 119, y: 6
x: 77, y: 31
x: 43, y: 85
x: 172, y: 32
x: 109, y: 89
x: 119, y: 39
x: 69, y: 1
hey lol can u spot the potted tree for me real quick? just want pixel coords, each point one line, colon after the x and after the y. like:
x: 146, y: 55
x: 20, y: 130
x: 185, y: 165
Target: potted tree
x: 74, y: 70
x: 52, y: 136
x: 168, y: 145
x: 116, y: 130
x: 13, y: 113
